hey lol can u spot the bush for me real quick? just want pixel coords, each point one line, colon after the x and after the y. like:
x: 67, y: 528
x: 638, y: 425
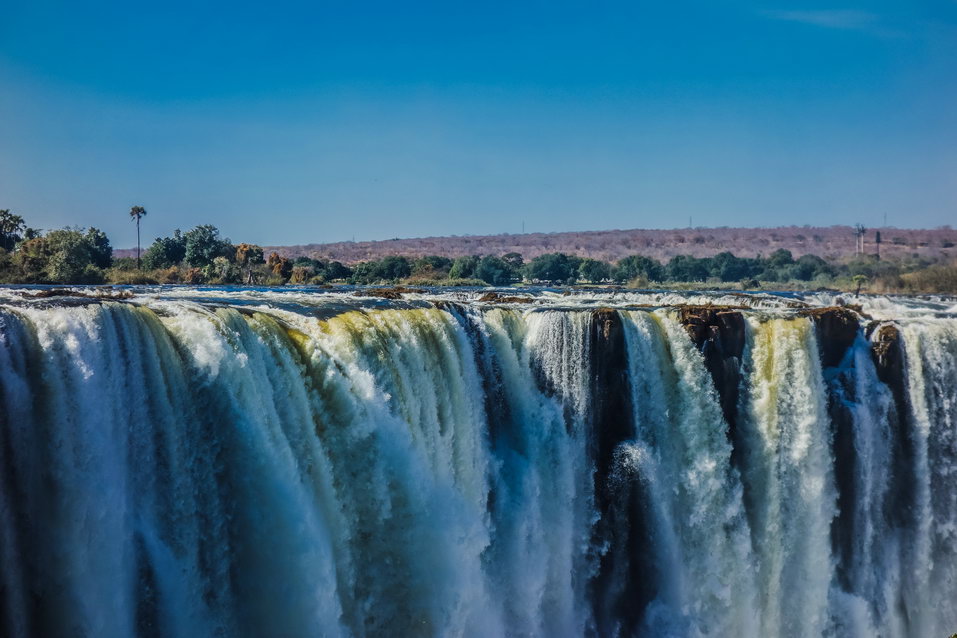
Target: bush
x: 193, y: 276
x: 301, y: 274
x: 165, y: 252
x: 463, y: 267
x: 686, y: 268
x: 594, y: 271
x: 638, y: 267
x: 493, y: 271
x: 937, y: 279
x: 203, y: 245
x: 553, y: 267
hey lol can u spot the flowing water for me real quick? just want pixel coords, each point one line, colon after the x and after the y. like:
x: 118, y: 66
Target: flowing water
x: 201, y: 462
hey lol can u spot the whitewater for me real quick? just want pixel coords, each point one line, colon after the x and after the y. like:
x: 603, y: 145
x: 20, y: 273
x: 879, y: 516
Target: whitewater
x: 251, y: 462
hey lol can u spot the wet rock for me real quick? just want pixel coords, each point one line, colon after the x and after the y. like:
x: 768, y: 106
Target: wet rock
x: 495, y: 297
x: 623, y: 585
x: 888, y: 355
x: 887, y: 352
x: 395, y: 292
x: 841, y: 397
x: 91, y: 293
x: 837, y: 328
x: 611, y: 410
x: 718, y: 333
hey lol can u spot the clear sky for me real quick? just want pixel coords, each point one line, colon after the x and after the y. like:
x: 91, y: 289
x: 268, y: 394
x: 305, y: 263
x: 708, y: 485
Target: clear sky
x: 308, y: 122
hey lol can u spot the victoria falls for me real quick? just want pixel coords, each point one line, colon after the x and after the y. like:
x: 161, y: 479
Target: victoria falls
x: 184, y: 461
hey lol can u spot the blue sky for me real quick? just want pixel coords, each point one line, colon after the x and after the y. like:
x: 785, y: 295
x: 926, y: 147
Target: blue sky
x: 308, y: 122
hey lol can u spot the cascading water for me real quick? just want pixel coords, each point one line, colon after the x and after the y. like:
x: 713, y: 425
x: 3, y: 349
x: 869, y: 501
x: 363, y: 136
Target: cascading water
x: 236, y: 466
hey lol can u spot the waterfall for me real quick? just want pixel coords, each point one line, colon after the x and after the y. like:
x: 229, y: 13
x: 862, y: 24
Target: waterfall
x: 190, y: 467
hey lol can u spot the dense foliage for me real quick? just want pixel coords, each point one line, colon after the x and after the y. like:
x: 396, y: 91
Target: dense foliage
x: 202, y: 256
x: 66, y: 255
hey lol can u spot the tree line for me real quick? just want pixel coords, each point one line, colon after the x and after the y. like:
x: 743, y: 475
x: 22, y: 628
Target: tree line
x: 202, y: 256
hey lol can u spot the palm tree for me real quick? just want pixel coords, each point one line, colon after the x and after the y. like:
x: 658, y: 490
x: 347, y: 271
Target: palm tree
x: 136, y: 213
x: 860, y: 280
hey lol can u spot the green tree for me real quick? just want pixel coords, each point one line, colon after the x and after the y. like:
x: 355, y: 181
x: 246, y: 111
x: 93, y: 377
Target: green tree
x: 393, y: 268
x: 780, y: 257
x: 165, y: 251
x: 514, y: 260
x: 203, y: 245
x: 432, y: 267
x: 594, y: 271
x: 101, y: 252
x: 464, y: 267
x: 638, y: 267
x: 12, y: 228
x: 61, y: 256
x: 493, y: 271
x: 687, y: 268
x: 809, y: 267
x: 364, y: 273
x: 137, y: 213
x: 336, y: 270
x: 31, y: 259
x: 726, y: 267
x: 515, y: 264
x: 553, y: 267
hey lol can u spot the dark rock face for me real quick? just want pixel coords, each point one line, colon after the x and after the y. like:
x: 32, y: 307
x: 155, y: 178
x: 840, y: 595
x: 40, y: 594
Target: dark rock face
x: 887, y: 352
x: 841, y: 395
x: 718, y: 332
x: 611, y: 409
x: 105, y: 292
x: 394, y: 292
x: 623, y: 586
x: 495, y: 297
x: 837, y: 328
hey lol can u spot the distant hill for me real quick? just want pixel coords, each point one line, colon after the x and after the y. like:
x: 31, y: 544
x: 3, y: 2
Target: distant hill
x: 831, y: 242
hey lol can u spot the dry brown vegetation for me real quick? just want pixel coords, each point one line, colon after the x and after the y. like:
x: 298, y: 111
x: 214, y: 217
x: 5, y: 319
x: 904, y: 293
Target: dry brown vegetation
x: 832, y: 242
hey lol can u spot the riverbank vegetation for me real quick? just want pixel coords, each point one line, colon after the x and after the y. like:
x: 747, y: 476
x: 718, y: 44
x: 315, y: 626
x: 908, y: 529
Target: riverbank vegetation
x: 202, y: 256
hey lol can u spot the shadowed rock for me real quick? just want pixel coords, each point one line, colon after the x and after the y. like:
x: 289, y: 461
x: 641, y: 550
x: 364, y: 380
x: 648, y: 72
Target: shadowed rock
x: 395, y: 292
x: 495, y: 297
x: 888, y: 355
x: 836, y: 329
x: 718, y: 333
x: 624, y: 584
x: 887, y: 352
x: 89, y: 293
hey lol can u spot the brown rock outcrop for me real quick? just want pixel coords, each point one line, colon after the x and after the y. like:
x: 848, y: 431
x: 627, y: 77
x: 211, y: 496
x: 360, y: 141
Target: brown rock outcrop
x: 837, y: 328
x: 718, y: 333
x: 394, y: 292
x: 495, y: 297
